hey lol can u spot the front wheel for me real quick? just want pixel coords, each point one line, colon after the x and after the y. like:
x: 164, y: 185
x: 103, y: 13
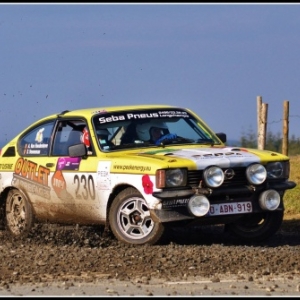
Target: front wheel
x: 130, y: 220
x: 18, y: 212
x: 257, y: 227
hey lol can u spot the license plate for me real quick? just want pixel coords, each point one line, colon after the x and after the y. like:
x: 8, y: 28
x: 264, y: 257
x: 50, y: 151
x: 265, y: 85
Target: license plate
x: 230, y: 208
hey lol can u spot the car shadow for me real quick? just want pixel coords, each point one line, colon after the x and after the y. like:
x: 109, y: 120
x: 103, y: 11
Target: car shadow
x: 288, y: 234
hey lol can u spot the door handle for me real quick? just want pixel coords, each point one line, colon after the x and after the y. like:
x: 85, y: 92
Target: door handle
x: 49, y: 165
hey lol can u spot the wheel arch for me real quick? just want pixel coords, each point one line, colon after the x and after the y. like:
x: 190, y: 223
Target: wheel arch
x: 5, y: 192
x: 3, y: 197
x: 116, y: 190
x: 19, y: 215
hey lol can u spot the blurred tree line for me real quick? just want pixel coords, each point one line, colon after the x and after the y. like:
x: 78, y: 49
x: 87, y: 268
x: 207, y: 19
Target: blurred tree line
x: 273, y: 142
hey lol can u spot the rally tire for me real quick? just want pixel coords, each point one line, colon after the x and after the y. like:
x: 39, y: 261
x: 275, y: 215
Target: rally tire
x: 18, y: 214
x: 257, y: 227
x: 130, y: 220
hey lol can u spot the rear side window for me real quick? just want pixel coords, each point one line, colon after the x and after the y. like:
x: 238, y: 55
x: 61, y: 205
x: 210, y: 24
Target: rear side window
x: 37, y: 141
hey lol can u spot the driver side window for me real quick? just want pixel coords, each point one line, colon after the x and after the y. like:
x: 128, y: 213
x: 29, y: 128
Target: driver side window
x: 70, y: 133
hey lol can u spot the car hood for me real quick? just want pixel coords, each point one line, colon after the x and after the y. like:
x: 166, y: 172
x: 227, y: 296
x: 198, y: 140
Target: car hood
x: 223, y: 157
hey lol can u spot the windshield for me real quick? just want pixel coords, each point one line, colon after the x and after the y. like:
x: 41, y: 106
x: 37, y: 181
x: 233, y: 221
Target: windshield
x: 153, y: 127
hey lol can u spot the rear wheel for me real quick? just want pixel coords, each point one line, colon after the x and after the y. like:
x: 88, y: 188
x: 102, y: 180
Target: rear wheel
x: 130, y: 220
x: 258, y: 227
x: 18, y: 213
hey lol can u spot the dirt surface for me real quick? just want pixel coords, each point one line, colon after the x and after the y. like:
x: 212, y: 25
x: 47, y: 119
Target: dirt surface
x: 70, y: 257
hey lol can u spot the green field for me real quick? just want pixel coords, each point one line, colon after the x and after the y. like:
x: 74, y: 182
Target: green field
x: 292, y: 197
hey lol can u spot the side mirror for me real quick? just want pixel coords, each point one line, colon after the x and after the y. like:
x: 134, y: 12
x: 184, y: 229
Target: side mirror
x: 222, y: 136
x: 78, y: 150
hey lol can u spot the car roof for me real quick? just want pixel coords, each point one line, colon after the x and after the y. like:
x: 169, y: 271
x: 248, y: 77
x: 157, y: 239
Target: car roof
x: 87, y: 112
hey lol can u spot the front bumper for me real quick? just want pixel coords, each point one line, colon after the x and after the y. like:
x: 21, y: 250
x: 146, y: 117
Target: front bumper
x: 173, y: 206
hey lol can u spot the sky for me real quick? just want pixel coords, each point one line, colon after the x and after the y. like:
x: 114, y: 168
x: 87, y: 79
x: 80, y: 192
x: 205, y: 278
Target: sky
x: 215, y: 59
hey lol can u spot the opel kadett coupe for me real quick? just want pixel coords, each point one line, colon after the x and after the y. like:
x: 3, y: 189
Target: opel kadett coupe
x: 138, y: 170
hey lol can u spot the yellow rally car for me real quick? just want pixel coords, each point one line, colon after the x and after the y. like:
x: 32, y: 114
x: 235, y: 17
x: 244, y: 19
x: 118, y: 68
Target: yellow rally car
x: 138, y: 170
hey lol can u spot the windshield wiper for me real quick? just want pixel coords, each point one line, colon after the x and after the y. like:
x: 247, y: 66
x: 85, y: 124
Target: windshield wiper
x: 205, y: 141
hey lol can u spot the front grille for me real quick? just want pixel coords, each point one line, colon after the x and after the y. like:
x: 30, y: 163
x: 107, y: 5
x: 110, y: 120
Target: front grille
x: 239, y: 179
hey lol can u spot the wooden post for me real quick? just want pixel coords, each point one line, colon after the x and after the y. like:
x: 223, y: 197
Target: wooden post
x: 264, y: 121
x: 262, y: 113
x: 259, y: 102
x: 285, y: 129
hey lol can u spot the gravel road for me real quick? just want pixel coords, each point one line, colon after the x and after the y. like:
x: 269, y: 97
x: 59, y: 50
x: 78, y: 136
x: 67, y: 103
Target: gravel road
x: 82, y: 261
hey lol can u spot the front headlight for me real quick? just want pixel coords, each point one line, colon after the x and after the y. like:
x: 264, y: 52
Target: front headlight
x: 256, y: 173
x: 213, y: 176
x: 171, y: 178
x: 278, y: 169
x: 198, y: 205
x: 269, y: 200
